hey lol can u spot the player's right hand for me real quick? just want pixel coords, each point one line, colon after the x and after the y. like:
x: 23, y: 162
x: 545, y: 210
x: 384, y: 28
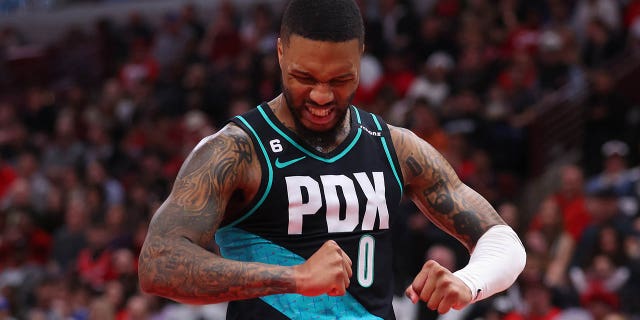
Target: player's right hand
x: 328, y: 271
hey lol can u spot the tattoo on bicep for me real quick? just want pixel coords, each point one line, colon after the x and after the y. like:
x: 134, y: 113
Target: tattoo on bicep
x: 210, y: 171
x: 224, y: 170
x: 414, y: 166
x: 193, y: 191
x: 243, y: 149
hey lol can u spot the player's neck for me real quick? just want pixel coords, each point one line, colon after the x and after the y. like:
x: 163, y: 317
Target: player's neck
x: 324, y: 143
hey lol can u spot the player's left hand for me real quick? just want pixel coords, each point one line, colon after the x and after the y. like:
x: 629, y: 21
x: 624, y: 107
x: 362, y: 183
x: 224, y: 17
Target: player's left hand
x: 439, y: 288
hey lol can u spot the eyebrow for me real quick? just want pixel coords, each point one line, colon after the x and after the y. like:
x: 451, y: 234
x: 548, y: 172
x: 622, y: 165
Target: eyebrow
x: 307, y: 74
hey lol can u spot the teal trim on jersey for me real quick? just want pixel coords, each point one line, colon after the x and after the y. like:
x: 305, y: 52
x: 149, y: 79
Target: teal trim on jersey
x: 357, y: 115
x: 386, y: 150
x: 269, y: 182
x: 305, y: 151
x: 237, y: 244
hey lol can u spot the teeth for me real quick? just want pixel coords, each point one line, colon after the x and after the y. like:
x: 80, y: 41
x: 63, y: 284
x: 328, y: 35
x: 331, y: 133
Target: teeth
x: 319, y: 112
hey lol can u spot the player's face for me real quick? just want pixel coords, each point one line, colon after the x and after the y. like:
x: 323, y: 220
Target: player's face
x: 319, y: 80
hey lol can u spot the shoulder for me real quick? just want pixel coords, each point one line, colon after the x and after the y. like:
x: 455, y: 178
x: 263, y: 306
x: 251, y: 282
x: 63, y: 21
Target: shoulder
x: 407, y: 143
x: 400, y: 133
x: 228, y: 136
x: 230, y: 146
x: 230, y: 130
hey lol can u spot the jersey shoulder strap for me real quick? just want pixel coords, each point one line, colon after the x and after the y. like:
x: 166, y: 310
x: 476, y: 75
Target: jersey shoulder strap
x: 375, y: 126
x: 252, y: 123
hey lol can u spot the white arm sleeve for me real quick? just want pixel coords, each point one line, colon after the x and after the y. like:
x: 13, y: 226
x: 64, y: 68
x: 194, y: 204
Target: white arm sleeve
x: 495, y: 263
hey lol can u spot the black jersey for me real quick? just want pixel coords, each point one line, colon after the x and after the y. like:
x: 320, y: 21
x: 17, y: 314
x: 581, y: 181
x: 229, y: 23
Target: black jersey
x: 306, y: 198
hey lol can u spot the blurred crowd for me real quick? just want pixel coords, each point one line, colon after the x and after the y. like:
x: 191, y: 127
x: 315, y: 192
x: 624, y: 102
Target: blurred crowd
x: 95, y: 125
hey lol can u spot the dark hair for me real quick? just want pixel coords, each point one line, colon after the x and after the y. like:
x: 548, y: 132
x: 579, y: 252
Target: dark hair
x: 322, y: 20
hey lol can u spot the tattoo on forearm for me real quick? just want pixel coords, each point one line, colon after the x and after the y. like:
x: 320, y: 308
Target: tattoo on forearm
x: 468, y: 223
x: 438, y: 191
x: 206, y: 279
x: 439, y: 197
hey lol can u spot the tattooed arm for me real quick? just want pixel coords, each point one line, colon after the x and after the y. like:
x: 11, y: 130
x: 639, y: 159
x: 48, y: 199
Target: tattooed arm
x: 497, y: 254
x: 174, y: 262
x: 435, y: 188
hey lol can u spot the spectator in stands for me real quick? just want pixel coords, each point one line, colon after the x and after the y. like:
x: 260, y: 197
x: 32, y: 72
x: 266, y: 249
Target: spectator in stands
x: 547, y: 237
x: 170, y: 44
x: 629, y: 299
x: 29, y: 170
x: 433, y: 36
x: 433, y: 84
x: 598, y: 284
x: 605, y: 271
x: 602, y: 44
x: 24, y: 243
x: 603, y: 206
x: 506, y: 131
x: 95, y: 262
x: 70, y: 239
x: 137, y: 308
x: 101, y: 309
x: 510, y: 213
x: 118, y: 226
x: 222, y: 42
x: 398, y: 24
x: 5, y: 312
x: 538, y: 304
x: 479, y: 174
x: 259, y: 34
x: 10, y: 126
x: 424, y: 121
x: 140, y: 68
x: 8, y: 175
x: 571, y: 201
x: 606, y: 118
x: 606, y: 11
x: 189, y: 16
x: 137, y: 31
x: 518, y: 80
x: 554, y: 69
x: 112, y: 189
x: 65, y: 151
x: 615, y: 173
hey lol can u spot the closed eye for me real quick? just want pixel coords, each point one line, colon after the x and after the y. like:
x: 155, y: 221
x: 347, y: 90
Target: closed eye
x: 339, y: 82
x: 305, y: 80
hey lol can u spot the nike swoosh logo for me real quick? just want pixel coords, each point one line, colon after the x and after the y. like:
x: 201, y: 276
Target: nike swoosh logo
x: 281, y: 165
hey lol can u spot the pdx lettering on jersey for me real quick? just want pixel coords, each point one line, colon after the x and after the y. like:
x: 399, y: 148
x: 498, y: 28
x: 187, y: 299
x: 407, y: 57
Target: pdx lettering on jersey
x: 306, y: 198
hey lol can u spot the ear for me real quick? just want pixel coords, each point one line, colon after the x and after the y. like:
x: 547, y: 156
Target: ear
x: 362, y: 51
x: 280, y: 52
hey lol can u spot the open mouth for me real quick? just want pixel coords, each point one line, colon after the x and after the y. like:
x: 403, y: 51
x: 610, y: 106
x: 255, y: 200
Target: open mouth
x: 319, y: 112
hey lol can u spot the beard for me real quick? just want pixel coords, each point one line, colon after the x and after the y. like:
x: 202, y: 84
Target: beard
x: 322, y: 139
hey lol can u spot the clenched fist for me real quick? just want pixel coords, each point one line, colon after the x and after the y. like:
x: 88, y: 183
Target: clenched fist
x: 327, y: 271
x: 439, y: 288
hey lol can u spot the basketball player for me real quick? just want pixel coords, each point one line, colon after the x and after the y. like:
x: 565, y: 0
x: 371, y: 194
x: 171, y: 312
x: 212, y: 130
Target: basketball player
x: 299, y: 192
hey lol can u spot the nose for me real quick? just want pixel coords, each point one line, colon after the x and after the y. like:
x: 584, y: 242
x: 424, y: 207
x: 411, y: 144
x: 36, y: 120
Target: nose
x: 321, y: 94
